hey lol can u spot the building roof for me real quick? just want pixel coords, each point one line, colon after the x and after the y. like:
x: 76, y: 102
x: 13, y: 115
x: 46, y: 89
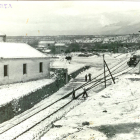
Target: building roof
x: 46, y: 42
x: 2, y: 34
x: 60, y: 44
x: 41, y: 46
x: 47, y: 51
x: 18, y: 50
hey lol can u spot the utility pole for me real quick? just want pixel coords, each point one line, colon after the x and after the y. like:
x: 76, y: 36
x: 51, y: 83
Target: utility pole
x: 139, y: 67
x: 109, y: 72
x: 104, y: 70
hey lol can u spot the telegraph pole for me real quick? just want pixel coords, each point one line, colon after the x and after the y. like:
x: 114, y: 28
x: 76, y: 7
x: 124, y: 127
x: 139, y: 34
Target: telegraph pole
x: 109, y: 72
x: 104, y: 70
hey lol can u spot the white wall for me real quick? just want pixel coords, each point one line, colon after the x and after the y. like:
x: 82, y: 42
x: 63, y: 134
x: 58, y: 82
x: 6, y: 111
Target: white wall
x: 15, y: 70
x: 1, y: 39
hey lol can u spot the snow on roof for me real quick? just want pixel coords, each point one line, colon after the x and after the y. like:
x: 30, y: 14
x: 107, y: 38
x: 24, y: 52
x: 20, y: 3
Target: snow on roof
x: 60, y: 44
x: 47, y: 42
x: 2, y: 34
x: 41, y: 46
x: 18, y: 50
x: 47, y: 51
x: 18, y: 90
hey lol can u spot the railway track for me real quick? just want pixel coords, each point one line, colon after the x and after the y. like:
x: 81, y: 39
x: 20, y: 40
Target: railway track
x: 20, y: 129
x: 26, y: 125
x: 117, y: 67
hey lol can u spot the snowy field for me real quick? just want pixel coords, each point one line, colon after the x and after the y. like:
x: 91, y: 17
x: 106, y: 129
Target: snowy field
x: 79, y: 62
x: 63, y: 63
x: 112, y: 114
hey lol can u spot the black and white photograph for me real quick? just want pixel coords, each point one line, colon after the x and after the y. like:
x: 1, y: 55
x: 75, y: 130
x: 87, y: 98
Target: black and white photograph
x: 69, y: 70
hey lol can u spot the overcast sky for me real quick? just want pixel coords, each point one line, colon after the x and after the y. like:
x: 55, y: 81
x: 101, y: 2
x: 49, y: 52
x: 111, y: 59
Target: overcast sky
x: 69, y: 18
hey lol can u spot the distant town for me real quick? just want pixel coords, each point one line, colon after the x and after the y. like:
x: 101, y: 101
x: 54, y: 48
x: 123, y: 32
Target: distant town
x: 82, y: 43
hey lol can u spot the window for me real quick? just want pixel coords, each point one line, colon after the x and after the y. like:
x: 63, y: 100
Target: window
x: 41, y: 67
x: 5, y: 70
x: 24, y: 68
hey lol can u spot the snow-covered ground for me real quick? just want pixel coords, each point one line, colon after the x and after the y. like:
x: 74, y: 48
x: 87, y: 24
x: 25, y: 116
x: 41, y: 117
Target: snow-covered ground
x: 18, y: 90
x: 112, y: 114
x: 63, y: 63
x: 79, y: 62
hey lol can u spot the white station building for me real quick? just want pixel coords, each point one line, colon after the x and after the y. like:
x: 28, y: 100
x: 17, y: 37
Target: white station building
x: 20, y: 62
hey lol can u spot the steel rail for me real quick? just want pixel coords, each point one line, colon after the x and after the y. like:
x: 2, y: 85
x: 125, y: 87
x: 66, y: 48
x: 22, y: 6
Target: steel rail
x: 63, y: 106
x: 49, y: 105
x: 67, y: 95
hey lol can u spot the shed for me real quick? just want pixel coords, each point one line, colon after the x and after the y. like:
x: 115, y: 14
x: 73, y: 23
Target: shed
x: 20, y: 62
x: 46, y: 44
x: 60, y: 47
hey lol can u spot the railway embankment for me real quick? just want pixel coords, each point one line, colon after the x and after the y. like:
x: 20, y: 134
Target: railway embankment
x: 17, y: 98
x: 36, y: 121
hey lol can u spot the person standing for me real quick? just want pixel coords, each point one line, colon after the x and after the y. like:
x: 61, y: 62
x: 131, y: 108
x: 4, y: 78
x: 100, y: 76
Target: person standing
x: 86, y: 77
x: 85, y: 93
x: 73, y: 94
x: 89, y: 75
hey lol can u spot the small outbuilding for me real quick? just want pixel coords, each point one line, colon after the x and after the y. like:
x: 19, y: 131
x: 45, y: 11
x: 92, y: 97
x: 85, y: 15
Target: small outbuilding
x: 46, y: 44
x: 60, y: 48
x: 20, y: 62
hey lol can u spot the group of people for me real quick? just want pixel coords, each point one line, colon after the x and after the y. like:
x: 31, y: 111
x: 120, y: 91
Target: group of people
x: 84, y: 94
x: 86, y: 77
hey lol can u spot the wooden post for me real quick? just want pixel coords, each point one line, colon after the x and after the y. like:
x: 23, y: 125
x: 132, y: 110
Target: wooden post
x: 139, y: 67
x: 109, y: 71
x: 104, y: 70
x: 66, y: 76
